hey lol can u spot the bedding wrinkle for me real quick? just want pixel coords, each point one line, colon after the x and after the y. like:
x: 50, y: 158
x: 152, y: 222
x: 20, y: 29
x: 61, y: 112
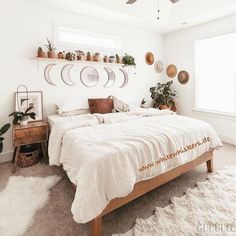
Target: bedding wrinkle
x: 102, y: 154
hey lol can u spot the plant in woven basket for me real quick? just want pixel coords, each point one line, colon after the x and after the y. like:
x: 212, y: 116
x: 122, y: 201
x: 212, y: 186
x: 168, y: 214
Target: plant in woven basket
x: 21, y: 116
x: 163, y: 95
x: 3, y: 130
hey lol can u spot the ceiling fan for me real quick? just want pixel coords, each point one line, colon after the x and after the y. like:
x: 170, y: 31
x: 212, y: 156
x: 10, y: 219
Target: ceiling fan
x: 133, y: 1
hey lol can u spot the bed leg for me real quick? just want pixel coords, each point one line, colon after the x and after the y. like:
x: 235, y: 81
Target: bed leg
x: 96, y: 227
x: 210, y: 165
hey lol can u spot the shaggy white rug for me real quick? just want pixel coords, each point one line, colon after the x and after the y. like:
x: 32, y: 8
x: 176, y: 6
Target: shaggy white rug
x: 208, y: 209
x: 20, y: 200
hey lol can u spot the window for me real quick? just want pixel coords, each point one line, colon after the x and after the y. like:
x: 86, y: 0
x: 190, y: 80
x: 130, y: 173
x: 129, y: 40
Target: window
x: 216, y: 73
x: 74, y: 37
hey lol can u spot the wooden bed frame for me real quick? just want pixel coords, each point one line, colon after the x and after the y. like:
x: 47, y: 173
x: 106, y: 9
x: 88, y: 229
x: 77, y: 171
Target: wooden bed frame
x: 146, y: 186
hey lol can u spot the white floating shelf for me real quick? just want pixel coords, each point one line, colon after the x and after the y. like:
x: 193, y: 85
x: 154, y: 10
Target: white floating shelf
x: 54, y: 60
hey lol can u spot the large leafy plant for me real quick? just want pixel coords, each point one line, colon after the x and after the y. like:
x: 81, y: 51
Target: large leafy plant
x: 18, y: 115
x: 3, y: 130
x: 162, y: 94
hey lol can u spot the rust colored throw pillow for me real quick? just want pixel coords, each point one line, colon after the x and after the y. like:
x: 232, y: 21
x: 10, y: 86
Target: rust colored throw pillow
x: 100, y: 105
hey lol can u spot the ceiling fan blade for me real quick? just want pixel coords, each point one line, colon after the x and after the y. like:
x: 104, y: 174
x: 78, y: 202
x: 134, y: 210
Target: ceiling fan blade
x: 131, y: 1
x: 174, y: 1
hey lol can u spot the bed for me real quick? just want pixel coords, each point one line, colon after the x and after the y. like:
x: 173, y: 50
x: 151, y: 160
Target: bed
x: 112, y: 159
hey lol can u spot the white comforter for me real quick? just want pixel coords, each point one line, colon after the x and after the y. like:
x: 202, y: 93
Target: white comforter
x: 105, y: 155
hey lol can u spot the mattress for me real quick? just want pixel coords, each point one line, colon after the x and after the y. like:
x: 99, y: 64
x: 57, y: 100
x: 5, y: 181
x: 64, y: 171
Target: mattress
x: 105, y: 155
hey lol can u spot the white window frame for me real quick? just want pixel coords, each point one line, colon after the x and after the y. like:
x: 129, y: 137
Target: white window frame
x: 208, y: 111
x: 85, y: 46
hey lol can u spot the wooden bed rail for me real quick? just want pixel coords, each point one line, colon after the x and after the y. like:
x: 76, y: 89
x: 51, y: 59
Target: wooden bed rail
x: 146, y: 186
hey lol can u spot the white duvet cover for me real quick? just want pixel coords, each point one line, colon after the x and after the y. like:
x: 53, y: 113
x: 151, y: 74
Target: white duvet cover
x: 105, y: 155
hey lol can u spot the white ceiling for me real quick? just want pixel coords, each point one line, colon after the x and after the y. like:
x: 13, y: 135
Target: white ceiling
x: 144, y: 12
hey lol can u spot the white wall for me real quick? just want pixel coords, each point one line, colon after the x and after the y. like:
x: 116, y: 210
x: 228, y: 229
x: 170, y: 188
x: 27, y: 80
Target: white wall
x: 24, y: 26
x: 179, y: 49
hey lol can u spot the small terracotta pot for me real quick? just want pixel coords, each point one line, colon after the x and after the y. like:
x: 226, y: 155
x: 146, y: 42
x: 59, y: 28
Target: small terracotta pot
x: 51, y: 54
x: 120, y: 61
x: 163, y: 107
x: 41, y: 54
x: 106, y: 60
x: 60, y: 55
x: 89, y: 58
x: 96, y: 58
x: 80, y: 57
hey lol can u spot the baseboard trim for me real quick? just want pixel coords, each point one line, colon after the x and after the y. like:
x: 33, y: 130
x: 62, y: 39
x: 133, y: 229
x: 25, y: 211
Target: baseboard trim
x: 227, y: 139
x: 6, y: 157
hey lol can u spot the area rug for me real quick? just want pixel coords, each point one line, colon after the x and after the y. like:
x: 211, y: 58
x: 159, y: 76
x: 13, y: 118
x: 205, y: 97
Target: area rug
x: 208, y: 209
x: 20, y: 200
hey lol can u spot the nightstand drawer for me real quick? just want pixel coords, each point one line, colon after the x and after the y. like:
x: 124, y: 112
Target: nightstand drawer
x: 30, y: 135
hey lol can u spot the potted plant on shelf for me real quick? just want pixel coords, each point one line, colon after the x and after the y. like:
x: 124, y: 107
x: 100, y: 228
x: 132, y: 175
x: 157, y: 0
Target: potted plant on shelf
x: 70, y: 56
x: 51, y: 49
x: 128, y: 60
x: 3, y: 130
x: 80, y: 55
x: 118, y: 59
x: 22, y: 117
x: 111, y: 59
x: 96, y: 56
x: 105, y: 59
x: 163, y: 96
x: 60, y: 55
x: 41, y: 53
x: 89, y: 57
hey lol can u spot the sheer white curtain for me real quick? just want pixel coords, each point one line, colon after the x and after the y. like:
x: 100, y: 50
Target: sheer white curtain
x: 215, y: 67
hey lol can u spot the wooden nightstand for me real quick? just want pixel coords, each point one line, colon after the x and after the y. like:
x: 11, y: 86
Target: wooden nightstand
x: 35, y: 132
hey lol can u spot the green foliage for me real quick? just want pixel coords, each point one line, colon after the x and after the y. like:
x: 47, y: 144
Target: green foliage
x: 19, y: 115
x: 162, y: 94
x: 128, y: 60
x: 3, y: 130
x: 50, y: 46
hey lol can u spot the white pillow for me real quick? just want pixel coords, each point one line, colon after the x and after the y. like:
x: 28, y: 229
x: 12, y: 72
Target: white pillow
x: 71, y: 108
x: 131, y: 102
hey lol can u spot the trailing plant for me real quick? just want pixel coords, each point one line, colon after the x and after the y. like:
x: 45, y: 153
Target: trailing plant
x: 162, y: 94
x: 50, y: 46
x: 128, y: 60
x: 3, y: 130
x: 18, y: 115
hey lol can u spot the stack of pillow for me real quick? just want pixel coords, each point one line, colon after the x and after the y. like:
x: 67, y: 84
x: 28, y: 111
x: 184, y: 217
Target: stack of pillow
x: 97, y: 105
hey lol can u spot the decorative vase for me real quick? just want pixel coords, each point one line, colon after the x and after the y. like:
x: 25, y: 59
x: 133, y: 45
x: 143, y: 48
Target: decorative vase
x: 51, y: 54
x: 24, y: 120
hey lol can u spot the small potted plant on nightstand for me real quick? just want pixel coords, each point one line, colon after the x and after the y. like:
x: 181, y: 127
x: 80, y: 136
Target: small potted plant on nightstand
x: 3, y: 130
x: 51, y: 49
x: 22, y: 117
x: 163, y: 96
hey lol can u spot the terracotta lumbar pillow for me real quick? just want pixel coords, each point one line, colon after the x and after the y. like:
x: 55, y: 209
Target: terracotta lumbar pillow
x: 100, y: 105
